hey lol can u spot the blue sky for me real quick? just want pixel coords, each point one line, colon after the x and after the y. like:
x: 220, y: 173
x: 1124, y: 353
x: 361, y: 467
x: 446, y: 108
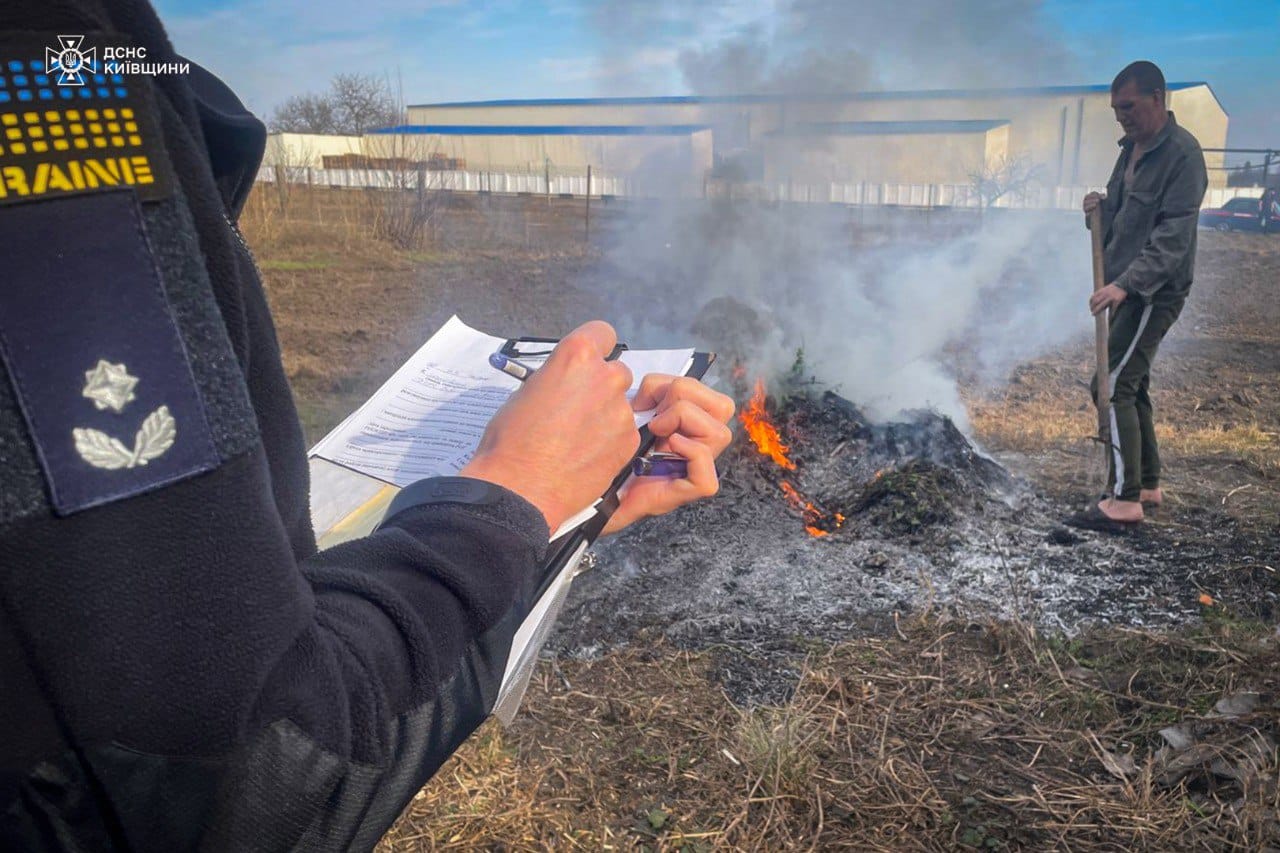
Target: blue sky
x: 445, y: 50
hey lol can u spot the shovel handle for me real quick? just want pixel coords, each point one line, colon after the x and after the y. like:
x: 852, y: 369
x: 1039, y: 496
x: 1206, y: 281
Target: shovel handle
x: 1101, y: 330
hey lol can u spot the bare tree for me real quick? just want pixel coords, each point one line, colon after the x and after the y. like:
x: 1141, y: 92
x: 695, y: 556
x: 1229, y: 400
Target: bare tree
x: 1010, y: 175
x: 411, y: 203
x: 305, y: 114
x: 415, y: 194
x: 354, y: 104
x: 363, y: 102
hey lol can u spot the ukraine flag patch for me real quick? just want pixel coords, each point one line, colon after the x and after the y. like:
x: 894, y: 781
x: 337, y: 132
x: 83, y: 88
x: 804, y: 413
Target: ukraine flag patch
x: 71, y: 125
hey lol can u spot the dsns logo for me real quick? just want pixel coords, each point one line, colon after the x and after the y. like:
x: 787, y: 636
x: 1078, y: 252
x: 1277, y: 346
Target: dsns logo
x: 70, y: 61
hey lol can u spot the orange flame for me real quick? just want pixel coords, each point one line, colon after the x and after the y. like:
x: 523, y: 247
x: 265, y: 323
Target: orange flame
x: 812, y: 515
x: 769, y: 442
x: 762, y: 431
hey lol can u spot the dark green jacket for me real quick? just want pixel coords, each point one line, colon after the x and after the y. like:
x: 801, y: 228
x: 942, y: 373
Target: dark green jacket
x: 1150, y: 232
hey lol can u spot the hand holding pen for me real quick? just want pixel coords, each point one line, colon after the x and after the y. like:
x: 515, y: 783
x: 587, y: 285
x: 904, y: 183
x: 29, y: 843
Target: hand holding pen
x: 561, y: 440
x: 689, y: 423
x: 650, y: 465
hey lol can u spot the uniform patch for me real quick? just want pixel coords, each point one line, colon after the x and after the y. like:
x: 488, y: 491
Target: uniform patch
x: 94, y: 353
x: 69, y: 126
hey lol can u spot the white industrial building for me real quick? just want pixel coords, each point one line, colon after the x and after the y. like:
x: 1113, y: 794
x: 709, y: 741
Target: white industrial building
x: 930, y: 152
x: 942, y: 136
x: 913, y: 147
x: 654, y: 152
x: 307, y: 150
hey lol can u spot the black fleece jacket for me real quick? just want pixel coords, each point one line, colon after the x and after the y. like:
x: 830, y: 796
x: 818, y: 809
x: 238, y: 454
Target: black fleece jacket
x: 181, y: 669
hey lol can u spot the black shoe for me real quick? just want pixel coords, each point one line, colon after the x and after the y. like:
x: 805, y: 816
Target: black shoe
x: 1095, y: 519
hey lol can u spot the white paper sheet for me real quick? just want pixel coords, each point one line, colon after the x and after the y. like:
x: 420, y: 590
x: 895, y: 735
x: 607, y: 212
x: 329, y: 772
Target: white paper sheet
x: 530, y: 637
x: 427, y: 419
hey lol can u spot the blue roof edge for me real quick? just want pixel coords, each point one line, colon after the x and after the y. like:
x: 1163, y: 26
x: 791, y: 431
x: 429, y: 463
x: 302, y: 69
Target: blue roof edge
x: 546, y: 130
x: 770, y: 98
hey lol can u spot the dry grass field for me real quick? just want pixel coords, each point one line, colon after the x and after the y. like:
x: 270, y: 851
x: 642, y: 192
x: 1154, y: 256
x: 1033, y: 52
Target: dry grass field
x: 924, y: 731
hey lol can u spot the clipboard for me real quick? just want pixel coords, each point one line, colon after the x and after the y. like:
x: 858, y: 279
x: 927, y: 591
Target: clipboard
x: 532, y: 347
x: 564, y: 560
x: 351, y: 492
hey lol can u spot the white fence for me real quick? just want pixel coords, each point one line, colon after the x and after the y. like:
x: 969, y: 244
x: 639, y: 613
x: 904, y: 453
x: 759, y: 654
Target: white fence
x: 861, y: 193
x: 497, y: 182
x: 964, y: 195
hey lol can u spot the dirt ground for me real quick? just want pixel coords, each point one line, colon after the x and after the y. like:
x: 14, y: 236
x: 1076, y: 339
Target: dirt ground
x: 919, y: 729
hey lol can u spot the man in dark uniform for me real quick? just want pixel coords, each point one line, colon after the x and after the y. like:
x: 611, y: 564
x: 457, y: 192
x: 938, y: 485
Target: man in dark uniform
x: 1149, y: 217
x: 181, y: 668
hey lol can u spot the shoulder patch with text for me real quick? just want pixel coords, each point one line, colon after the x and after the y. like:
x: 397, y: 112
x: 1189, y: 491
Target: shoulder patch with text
x: 68, y: 127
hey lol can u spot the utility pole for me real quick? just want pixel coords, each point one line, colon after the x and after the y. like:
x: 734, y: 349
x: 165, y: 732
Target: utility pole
x: 1268, y: 155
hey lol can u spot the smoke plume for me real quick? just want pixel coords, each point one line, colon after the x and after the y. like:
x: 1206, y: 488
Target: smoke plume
x: 733, y: 46
x: 880, y: 303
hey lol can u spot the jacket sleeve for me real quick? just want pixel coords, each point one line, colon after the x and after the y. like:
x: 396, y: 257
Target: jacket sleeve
x: 286, y: 705
x: 1173, y: 236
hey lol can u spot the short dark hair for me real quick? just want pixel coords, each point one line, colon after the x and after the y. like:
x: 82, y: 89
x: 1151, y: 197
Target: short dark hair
x: 1147, y: 76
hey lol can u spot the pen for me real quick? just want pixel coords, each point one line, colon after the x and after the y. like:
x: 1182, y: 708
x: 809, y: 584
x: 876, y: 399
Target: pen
x: 660, y: 465
x: 510, y: 366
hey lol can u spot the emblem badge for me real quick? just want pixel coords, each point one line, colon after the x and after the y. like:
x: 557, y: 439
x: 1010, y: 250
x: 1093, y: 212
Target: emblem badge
x: 110, y: 386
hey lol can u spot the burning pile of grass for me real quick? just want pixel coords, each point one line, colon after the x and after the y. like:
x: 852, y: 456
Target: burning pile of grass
x: 898, y: 477
x: 764, y: 437
x: 937, y: 735
x: 828, y: 524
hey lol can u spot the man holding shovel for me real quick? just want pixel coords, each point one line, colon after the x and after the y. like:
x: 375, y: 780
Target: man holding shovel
x: 1147, y: 219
